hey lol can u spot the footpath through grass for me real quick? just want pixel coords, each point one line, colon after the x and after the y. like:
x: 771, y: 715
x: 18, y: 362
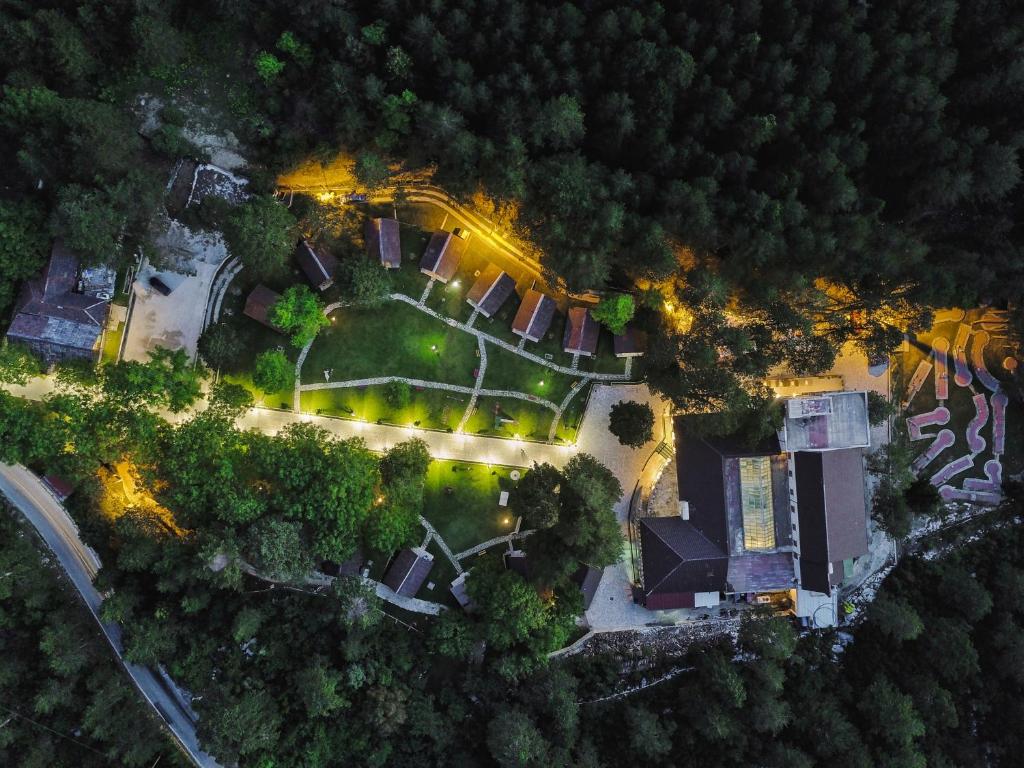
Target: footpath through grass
x: 461, y: 502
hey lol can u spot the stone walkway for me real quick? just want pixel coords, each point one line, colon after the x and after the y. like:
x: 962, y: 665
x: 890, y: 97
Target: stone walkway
x: 477, y: 385
x: 477, y: 389
x: 432, y: 532
x: 492, y: 543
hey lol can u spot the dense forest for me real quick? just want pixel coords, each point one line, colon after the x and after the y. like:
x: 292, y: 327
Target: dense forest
x: 802, y: 173
x: 323, y: 677
x: 773, y: 169
x: 63, y: 698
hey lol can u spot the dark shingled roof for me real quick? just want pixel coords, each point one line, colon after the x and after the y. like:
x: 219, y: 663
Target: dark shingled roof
x: 318, y: 264
x: 442, y: 257
x: 701, y: 477
x: 51, y: 314
x: 408, y: 571
x: 517, y: 561
x: 490, y: 290
x: 832, y: 514
x: 258, y: 305
x: 383, y: 241
x: 534, y: 316
x: 678, y: 560
x: 587, y: 579
x: 630, y: 343
x: 581, y: 332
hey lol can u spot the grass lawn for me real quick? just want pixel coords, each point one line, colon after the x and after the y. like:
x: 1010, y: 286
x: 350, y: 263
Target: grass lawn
x: 461, y: 502
x: 507, y: 370
x: 528, y: 421
x: 393, y: 340
x: 441, y: 576
x: 431, y: 408
x: 112, y: 344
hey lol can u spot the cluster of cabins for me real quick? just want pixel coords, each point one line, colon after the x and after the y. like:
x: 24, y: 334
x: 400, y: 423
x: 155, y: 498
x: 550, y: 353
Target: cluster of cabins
x: 782, y: 520
x: 491, y: 288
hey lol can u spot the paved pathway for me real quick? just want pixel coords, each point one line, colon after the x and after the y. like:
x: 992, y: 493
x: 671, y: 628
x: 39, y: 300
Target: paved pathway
x: 479, y: 449
x: 431, y: 531
x: 492, y: 543
x: 426, y: 292
x: 477, y: 385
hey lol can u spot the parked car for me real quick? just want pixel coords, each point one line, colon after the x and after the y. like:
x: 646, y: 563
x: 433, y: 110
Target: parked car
x: 159, y: 286
x: 460, y: 232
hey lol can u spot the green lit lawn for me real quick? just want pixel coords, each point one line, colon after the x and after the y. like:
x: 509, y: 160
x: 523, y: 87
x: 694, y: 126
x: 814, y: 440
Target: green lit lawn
x: 529, y: 421
x: 112, y: 344
x: 469, y: 514
x: 432, y: 408
x: 507, y: 370
x: 393, y: 340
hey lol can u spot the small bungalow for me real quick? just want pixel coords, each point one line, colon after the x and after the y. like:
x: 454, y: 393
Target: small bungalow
x: 383, y: 242
x: 258, y: 305
x: 534, y: 316
x: 57, y: 316
x: 581, y: 332
x: 459, y: 592
x: 317, y: 264
x: 490, y: 290
x: 408, y: 570
x: 587, y: 579
x: 442, y: 257
x: 630, y: 343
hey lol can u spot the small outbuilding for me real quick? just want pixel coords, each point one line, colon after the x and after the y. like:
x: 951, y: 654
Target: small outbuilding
x: 581, y: 332
x: 408, y: 570
x: 317, y: 263
x: 491, y: 290
x: 630, y: 343
x: 534, y: 316
x: 587, y: 578
x: 442, y: 257
x: 458, y: 589
x: 258, y: 305
x: 383, y: 242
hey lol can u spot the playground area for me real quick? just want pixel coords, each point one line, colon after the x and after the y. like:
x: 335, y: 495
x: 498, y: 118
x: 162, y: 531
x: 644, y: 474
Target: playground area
x: 957, y: 406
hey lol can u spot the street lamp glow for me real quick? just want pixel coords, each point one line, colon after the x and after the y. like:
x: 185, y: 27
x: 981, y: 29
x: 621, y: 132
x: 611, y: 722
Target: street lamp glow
x: 540, y: 383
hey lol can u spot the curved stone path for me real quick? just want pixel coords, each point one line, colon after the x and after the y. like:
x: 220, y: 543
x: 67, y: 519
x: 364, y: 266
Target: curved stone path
x: 477, y: 390
x: 477, y: 385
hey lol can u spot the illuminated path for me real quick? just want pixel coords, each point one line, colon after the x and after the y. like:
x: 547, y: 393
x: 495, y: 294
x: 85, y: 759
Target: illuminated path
x: 28, y: 494
x: 442, y: 445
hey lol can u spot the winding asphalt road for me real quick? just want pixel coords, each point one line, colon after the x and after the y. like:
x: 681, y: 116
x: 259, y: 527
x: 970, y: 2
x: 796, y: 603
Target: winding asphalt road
x: 28, y: 494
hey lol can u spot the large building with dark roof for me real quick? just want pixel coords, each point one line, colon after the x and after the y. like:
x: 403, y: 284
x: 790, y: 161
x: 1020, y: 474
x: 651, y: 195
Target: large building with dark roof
x: 581, y: 332
x: 491, y: 289
x: 533, y: 318
x: 384, y: 242
x: 58, y: 316
x: 441, y: 259
x: 754, y: 520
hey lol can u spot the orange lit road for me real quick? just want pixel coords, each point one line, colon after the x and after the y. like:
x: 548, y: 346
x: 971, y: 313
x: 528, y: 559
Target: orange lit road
x: 340, y: 182
x: 28, y: 494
